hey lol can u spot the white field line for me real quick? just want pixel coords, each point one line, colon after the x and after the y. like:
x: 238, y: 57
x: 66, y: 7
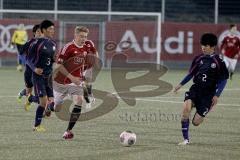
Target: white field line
x: 151, y: 100
x: 175, y: 102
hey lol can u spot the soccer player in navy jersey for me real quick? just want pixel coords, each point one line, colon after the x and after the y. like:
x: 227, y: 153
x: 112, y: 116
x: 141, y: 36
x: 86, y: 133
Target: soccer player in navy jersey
x: 27, y: 91
x: 40, y: 59
x: 210, y: 76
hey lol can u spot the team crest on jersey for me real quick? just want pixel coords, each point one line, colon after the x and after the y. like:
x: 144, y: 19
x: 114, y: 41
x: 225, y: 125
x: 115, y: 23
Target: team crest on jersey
x: 85, y: 53
x: 213, y: 65
x: 201, y: 62
x: 221, y: 56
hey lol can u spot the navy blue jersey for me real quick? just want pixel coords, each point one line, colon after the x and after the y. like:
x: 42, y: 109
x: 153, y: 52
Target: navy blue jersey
x: 26, y: 46
x: 40, y: 54
x: 207, y: 70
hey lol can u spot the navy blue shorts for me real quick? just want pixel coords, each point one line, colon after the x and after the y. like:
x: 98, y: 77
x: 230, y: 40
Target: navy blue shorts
x: 28, y: 77
x: 42, y: 85
x: 201, y: 98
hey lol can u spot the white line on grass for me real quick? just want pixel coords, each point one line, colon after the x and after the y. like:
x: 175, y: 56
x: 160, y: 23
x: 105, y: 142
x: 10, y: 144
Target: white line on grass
x: 183, y: 89
x: 175, y: 102
x: 151, y: 100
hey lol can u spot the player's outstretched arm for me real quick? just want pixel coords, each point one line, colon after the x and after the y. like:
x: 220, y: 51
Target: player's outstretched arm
x: 177, y: 88
x: 63, y: 70
x: 186, y: 79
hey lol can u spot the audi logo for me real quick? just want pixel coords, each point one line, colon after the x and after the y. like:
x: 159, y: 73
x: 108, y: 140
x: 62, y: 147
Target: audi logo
x: 5, y: 36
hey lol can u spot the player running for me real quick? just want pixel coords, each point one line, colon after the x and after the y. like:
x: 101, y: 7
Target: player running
x: 230, y: 48
x: 27, y: 91
x: 210, y: 76
x: 69, y: 78
x: 40, y: 59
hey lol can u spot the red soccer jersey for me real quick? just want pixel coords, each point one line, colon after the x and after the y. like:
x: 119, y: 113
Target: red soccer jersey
x: 74, y: 59
x: 231, y: 45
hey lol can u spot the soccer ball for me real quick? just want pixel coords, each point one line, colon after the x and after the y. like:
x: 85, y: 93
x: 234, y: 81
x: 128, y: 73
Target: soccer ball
x: 128, y: 138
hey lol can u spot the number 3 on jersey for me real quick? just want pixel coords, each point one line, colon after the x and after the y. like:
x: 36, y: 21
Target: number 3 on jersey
x: 204, y: 78
x: 48, y: 61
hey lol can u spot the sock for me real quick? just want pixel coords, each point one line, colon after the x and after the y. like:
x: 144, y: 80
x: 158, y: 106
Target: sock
x: 51, y: 106
x: 39, y: 115
x: 33, y: 99
x: 185, y: 128
x: 74, y: 116
x: 23, y: 92
x: 89, y: 89
x: 85, y: 95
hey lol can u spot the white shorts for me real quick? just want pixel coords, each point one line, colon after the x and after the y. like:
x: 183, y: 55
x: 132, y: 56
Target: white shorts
x: 60, y: 91
x: 230, y: 63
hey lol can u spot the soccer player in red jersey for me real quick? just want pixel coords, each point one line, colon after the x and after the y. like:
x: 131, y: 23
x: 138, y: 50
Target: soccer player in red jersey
x: 230, y: 48
x: 69, y: 75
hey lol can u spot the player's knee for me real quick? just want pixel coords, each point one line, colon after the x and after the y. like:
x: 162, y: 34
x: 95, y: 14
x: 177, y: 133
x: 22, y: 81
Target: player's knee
x: 43, y: 102
x: 195, y: 123
x: 78, y: 100
x: 186, y: 111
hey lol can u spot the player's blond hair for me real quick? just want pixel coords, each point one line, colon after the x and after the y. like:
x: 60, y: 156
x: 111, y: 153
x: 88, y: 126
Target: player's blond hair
x: 79, y: 29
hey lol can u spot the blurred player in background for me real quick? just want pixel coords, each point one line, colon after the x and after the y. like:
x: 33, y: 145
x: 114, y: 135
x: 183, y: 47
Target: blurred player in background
x: 69, y: 78
x: 28, y: 71
x: 19, y: 38
x: 230, y: 48
x: 92, y: 59
x: 210, y: 76
x: 40, y: 59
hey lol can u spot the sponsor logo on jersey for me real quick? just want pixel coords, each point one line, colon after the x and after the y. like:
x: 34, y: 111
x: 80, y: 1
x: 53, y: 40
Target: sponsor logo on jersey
x: 213, y: 65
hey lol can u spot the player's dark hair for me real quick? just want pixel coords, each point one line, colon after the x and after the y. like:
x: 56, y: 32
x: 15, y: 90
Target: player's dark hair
x: 232, y: 25
x: 35, y: 28
x: 209, y: 39
x: 45, y: 24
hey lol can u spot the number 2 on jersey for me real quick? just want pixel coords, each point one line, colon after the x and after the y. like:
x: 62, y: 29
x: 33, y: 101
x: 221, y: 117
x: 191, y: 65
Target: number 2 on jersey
x: 204, y: 78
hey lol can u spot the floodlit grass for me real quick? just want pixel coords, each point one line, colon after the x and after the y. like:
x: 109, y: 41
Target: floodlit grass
x: 155, y: 120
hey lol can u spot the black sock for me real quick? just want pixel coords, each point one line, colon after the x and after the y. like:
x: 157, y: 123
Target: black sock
x: 39, y: 115
x: 89, y: 89
x: 34, y: 99
x: 85, y: 94
x: 74, y: 116
x: 23, y: 92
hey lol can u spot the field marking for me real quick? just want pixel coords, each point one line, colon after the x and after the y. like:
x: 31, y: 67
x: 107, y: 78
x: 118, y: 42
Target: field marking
x: 176, y: 102
x: 151, y: 100
x: 182, y: 89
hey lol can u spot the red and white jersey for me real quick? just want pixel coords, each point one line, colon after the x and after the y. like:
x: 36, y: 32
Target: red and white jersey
x: 74, y: 59
x: 230, y: 45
